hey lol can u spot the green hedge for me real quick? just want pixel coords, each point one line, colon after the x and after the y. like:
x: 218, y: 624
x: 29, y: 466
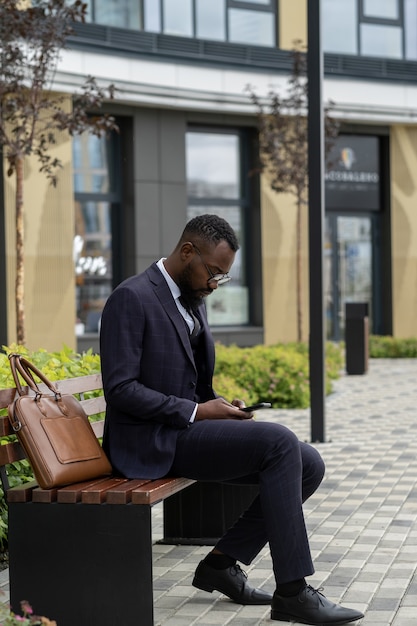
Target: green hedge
x: 278, y: 374
x: 387, y: 347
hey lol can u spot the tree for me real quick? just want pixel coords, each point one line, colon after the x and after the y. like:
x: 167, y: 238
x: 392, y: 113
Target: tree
x: 283, y: 148
x: 32, y: 36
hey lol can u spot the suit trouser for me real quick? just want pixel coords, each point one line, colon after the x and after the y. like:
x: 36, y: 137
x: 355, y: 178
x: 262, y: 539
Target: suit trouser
x: 287, y: 471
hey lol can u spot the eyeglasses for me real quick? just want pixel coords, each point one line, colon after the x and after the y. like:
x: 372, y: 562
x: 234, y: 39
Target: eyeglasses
x: 220, y: 279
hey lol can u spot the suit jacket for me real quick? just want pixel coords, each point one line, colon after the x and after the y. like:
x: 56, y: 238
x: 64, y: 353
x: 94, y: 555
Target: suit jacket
x: 149, y: 374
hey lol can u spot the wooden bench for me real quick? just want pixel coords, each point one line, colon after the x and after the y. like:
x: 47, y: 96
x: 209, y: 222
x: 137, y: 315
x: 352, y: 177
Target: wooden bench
x: 82, y: 554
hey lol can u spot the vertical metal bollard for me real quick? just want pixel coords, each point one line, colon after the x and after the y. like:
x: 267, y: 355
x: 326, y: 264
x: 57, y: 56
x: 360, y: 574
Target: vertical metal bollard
x: 356, y: 337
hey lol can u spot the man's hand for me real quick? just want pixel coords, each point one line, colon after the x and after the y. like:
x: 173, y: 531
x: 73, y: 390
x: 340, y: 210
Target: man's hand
x: 220, y: 409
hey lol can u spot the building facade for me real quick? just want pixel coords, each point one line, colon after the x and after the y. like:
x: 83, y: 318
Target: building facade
x: 187, y: 144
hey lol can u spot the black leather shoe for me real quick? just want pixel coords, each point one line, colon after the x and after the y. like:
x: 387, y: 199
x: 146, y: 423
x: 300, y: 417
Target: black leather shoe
x: 232, y: 582
x: 311, y: 607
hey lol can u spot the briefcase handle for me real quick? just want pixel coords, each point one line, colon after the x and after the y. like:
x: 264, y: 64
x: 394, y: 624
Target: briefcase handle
x: 26, y: 369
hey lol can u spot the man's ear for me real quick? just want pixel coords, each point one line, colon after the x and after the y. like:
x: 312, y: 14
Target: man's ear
x: 187, y: 251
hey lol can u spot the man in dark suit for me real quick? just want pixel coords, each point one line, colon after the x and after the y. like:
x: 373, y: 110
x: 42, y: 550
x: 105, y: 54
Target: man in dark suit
x: 163, y: 417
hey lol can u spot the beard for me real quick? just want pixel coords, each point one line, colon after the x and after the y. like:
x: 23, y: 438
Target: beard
x: 191, y: 297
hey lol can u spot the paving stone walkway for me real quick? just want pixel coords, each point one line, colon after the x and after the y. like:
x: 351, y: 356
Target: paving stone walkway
x: 362, y: 522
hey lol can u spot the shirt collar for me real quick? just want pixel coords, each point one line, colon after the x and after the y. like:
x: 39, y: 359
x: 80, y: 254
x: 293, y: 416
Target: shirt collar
x: 173, y: 287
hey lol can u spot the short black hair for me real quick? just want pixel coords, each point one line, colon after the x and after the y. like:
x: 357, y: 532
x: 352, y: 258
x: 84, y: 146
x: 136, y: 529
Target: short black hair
x: 211, y: 229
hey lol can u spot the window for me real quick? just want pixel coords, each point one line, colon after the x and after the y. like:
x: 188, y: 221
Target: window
x: 118, y: 13
x: 376, y: 28
x: 214, y: 181
x: 387, y: 9
x: 339, y: 24
x: 211, y: 20
x: 250, y: 27
x: 252, y: 22
x: 96, y: 198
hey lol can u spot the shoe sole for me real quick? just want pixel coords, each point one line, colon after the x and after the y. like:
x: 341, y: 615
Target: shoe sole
x: 205, y: 587
x: 284, y: 617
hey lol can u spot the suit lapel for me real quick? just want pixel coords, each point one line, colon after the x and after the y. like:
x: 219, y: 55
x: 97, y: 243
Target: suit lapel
x: 164, y: 295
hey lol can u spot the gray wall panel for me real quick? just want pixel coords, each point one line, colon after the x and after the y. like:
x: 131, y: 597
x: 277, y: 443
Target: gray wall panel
x: 172, y: 146
x: 146, y: 145
x: 173, y: 215
x: 147, y: 223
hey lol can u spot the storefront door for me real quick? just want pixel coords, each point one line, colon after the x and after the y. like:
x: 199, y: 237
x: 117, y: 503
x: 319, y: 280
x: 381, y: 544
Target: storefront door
x: 349, y: 268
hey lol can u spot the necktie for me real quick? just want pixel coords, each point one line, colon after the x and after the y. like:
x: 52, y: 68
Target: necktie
x: 197, y: 325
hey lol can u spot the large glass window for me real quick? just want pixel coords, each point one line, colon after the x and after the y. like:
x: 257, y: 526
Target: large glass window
x: 376, y: 28
x: 387, y: 9
x: 410, y: 20
x: 239, y: 21
x: 211, y: 19
x: 96, y: 198
x: 214, y: 182
x: 340, y: 17
x: 178, y: 17
x: 251, y: 28
x: 382, y: 41
x: 120, y: 13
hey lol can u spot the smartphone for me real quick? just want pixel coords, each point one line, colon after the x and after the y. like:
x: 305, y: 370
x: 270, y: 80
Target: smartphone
x: 255, y: 407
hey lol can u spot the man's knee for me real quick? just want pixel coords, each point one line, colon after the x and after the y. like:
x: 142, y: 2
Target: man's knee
x: 313, y: 470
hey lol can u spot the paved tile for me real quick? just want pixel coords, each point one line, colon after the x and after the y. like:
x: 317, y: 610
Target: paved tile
x: 361, y: 522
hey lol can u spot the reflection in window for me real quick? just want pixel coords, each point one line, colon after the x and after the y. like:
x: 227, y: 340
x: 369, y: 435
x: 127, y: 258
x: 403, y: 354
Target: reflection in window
x: 95, y: 201
x: 90, y: 164
x: 214, y: 186
x: 92, y: 260
x: 213, y: 165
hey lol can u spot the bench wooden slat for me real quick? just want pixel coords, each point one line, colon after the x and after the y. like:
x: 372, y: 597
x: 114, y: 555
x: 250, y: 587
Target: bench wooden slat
x: 79, y: 385
x: 11, y: 452
x: 98, y: 428
x: 159, y: 489
x: 122, y: 494
x: 44, y: 495
x: 5, y: 427
x: 21, y: 493
x: 6, y: 397
x: 72, y: 493
x: 96, y: 494
x: 92, y: 406
x: 92, y: 382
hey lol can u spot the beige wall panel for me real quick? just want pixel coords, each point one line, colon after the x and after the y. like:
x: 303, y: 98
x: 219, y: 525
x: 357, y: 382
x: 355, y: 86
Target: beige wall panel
x: 404, y: 230
x: 292, y: 23
x: 49, y: 270
x: 279, y: 266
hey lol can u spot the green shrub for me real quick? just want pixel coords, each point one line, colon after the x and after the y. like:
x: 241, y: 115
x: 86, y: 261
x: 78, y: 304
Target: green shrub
x: 387, y: 347
x: 278, y: 374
